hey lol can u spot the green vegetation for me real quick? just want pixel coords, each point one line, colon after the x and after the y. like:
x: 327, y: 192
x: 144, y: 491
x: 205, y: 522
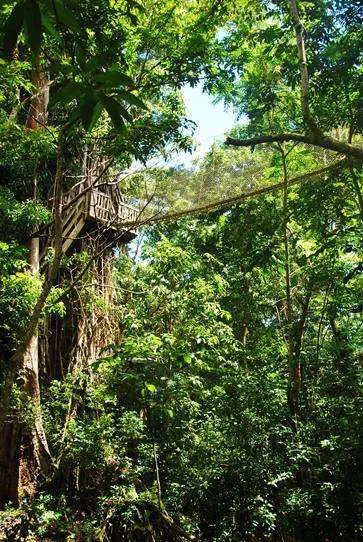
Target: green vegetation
x: 203, y: 382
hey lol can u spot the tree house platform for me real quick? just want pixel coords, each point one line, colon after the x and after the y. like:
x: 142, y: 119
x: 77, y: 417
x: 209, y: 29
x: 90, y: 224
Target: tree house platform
x: 101, y: 208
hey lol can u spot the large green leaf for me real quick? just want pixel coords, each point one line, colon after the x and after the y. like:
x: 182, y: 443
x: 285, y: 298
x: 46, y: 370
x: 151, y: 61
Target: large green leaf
x: 115, y: 111
x: 69, y: 93
x: 65, y: 16
x: 126, y: 115
x: 33, y: 24
x: 12, y: 29
x: 90, y: 110
x: 131, y: 98
x: 97, y: 110
x: 113, y: 78
x: 49, y: 27
x: 96, y: 62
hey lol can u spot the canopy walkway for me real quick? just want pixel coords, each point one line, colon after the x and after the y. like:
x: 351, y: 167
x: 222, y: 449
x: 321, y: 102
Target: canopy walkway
x: 102, y: 207
x: 144, y: 220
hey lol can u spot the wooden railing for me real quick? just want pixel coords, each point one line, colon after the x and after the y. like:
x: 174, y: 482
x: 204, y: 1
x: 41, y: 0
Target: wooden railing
x: 96, y: 205
x: 126, y: 213
x: 103, y: 209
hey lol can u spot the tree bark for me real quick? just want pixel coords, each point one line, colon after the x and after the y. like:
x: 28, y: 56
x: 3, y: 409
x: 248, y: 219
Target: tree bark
x: 24, y: 452
x: 37, y: 115
x: 295, y: 346
x: 304, y: 74
x: 294, y: 371
x: 295, y: 330
x: 34, y: 454
x: 357, y: 189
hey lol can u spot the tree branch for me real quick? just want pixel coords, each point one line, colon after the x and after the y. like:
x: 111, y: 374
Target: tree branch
x: 315, y: 136
x: 90, y: 187
x: 322, y: 141
x: 304, y: 74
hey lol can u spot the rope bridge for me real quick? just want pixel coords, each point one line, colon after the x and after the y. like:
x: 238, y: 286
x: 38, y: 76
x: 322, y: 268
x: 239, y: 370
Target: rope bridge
x: 229, y: 202
x: 86, y: 202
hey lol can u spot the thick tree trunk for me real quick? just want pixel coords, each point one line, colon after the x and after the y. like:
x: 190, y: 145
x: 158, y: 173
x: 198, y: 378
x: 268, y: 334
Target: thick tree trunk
x: 19, y: 446
x: 34, y: 455
x: 10, y: 437
x: 24, y: 452
x: 37, y: 115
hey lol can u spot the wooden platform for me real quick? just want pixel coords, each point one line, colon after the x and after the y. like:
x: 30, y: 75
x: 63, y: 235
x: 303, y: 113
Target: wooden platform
x: 104, y: 207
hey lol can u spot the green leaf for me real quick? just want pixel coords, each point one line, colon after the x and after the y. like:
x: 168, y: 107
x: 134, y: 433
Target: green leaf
x: 117, y: 108
x: 113, y: 78
x: 187, y: 358
x: 131, y: 99
x: 33, y: 25
x: 80, y: 55
x: 115, y: 111
x: 97, y: 110
x: 90, y: 113
x: 96, y: 62
x: 137, y: 5
x: 126, y: 115
x: 49, y: 27
x: 12, y: 29
x: 65, y: 16
x: 69, y: 93
x: 150, y: 387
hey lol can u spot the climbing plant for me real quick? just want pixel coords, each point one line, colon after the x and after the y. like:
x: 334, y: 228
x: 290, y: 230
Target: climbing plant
x: 226, y: 407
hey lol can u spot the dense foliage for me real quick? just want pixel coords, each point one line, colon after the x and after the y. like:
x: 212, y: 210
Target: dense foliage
x: 226, y: 407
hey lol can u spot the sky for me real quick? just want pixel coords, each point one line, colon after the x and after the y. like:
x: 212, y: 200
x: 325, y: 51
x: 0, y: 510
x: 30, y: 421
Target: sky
x: 212, y: 120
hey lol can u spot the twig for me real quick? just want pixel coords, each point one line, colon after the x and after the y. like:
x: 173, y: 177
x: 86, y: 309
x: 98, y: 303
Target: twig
x: 157, y: 476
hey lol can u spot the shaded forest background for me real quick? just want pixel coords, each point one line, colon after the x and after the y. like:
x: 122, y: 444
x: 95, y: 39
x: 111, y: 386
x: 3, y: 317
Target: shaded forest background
x: 202, y: 382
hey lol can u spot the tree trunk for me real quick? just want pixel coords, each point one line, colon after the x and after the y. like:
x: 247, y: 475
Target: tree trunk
x: 9, y: 461
x: 296, y: 337
x: 34, y: 454
x: 295, y: 329
x: 24, y: 452
x: 37, y: 115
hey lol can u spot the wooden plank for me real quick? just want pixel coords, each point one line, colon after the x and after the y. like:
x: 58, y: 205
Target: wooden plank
x: 73, y: 218
x: 73, y: 236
